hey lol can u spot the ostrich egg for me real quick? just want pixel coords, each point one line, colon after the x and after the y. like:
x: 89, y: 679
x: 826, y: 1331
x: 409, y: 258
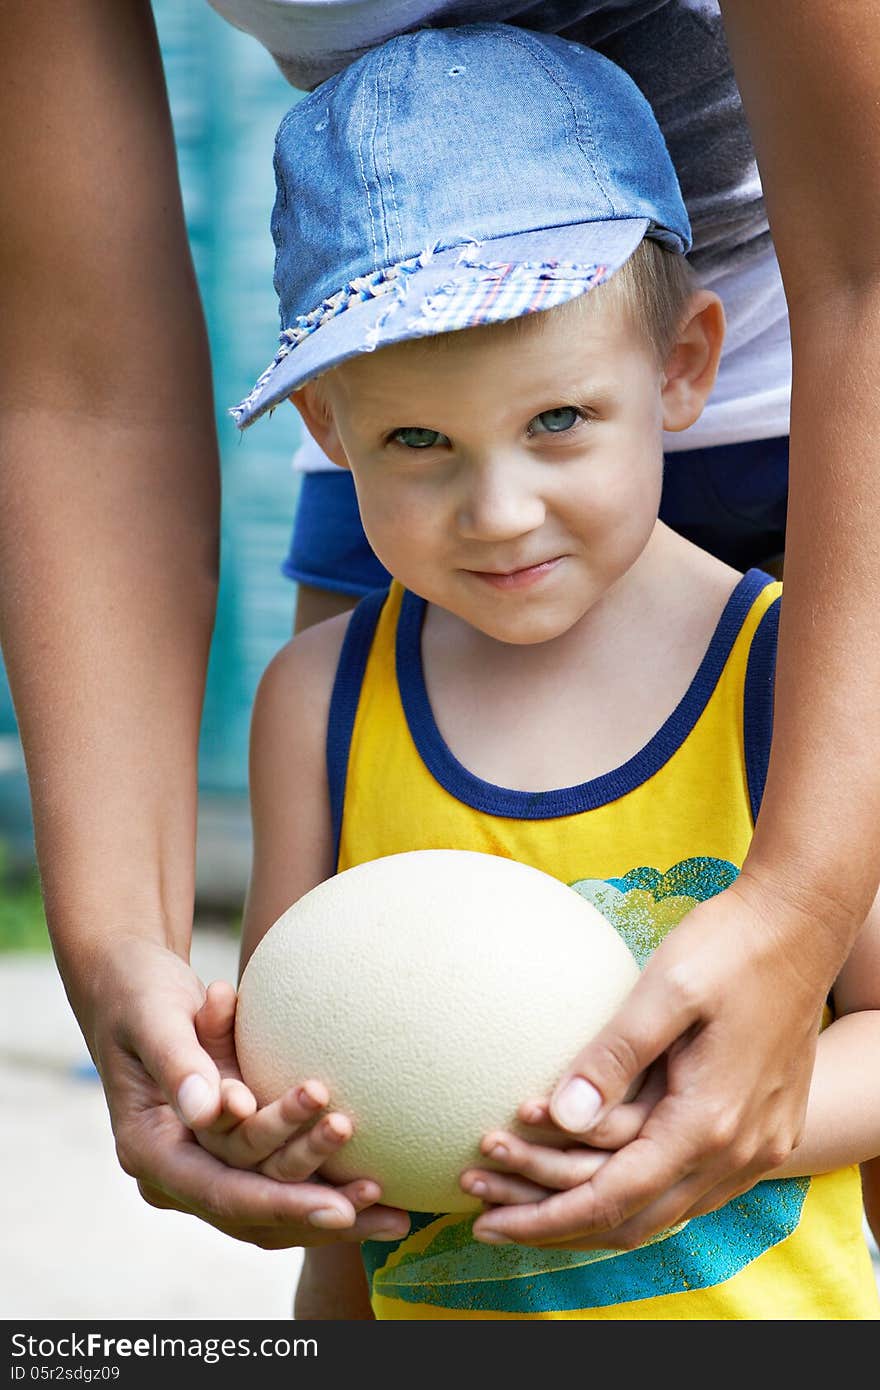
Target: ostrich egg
x: 432, y: 992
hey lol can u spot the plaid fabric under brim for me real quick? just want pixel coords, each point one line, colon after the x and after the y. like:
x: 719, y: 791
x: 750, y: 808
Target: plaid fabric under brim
x: 435, y: 292
x: 503, y: 291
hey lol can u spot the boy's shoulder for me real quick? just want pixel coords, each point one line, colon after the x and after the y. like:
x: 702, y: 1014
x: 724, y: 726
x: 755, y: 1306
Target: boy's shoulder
x: 300, y: 676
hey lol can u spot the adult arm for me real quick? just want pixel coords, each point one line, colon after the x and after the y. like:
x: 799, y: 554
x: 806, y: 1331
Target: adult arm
x: 109, y: 499
x: 735, y: 992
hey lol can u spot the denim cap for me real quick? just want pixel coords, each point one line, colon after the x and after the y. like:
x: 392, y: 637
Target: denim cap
x: 455, y: 177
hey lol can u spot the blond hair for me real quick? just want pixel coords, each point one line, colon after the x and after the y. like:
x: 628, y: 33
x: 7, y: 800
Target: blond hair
x: 652, y: 288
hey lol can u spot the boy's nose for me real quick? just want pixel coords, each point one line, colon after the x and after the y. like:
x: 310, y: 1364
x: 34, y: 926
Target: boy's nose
x: 499, y: 503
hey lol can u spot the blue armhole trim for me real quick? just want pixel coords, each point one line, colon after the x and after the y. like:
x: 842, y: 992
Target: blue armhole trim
x: 758, y: 704
x: 344, y: 701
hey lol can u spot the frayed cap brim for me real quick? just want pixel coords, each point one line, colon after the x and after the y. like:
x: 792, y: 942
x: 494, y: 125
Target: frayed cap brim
x: 463, y: 286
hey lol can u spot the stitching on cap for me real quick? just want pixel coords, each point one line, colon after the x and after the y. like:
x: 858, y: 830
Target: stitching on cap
x: 393, y: 192
x: 384, y: 254
x: 559, y: 82
x: 364, y: 178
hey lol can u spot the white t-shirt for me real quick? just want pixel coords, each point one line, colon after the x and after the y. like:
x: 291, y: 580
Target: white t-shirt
x: 676, y: 51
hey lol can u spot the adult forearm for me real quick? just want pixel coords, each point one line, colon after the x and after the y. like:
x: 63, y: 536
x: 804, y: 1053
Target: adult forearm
x: 108, y: 559
x: 109, y: 477
x: 808, y: 76
x: 816, y: 841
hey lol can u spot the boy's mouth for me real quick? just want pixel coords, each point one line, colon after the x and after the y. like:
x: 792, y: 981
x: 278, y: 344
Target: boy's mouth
x: 519, y: 578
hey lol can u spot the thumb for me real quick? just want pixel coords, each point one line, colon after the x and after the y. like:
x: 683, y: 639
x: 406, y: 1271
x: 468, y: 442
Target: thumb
x: 171, y: 1053
x: 197, y: 1097
x: 608, y: 1068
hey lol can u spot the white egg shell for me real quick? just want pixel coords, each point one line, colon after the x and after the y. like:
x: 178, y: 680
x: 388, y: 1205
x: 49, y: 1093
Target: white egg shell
x: 432, y: 992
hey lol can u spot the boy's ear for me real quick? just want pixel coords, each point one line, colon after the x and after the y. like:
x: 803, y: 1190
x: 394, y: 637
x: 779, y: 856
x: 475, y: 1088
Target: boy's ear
x: 692, y: 365
x: 317, y: 417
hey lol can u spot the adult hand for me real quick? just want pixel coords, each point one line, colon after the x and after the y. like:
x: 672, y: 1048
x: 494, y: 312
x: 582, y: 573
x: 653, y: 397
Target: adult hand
x: 537, y: 1158
x: 159, y: 1080
x: 733, y: 997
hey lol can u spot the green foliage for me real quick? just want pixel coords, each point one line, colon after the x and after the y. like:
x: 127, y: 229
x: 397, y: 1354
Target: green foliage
x: 22, y: 920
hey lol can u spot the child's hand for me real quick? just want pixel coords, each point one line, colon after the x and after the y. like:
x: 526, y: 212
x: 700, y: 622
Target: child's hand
x: 535, y: 1167
x: 288, y: 1139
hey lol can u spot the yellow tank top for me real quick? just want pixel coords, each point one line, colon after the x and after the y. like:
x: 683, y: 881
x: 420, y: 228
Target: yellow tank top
x: 643, y: 843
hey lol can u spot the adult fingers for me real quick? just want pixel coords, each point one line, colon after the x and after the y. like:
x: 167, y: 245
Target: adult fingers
x: 667, y: 1215
x: 187, y: 1177
x: 184, y: 1072
x: 724, y: 1192
x: 377, y: 1223
x: 257, y: 1209
x: 649, y: 1021
x: 623, y: 1122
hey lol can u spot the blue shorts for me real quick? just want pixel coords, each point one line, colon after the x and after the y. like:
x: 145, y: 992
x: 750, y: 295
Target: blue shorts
x: 731, y: 500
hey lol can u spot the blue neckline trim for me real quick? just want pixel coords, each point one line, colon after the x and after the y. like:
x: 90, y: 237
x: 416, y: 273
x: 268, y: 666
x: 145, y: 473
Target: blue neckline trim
x: 586, y: 796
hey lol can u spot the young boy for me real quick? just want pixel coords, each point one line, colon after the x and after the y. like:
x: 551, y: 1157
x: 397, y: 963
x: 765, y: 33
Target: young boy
x: 553, y: 675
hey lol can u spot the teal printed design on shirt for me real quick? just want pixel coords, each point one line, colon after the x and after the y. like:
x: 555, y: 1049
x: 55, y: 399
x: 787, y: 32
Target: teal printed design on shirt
x: 645, y: 904
x: 454, y: 1271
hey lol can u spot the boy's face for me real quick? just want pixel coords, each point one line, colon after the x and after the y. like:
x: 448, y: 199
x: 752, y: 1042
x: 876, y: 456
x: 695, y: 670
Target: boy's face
x: 509, y: 474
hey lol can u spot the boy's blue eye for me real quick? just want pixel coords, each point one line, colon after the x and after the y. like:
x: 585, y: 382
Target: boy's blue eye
x: 415, y: 438
x: 555, y: 421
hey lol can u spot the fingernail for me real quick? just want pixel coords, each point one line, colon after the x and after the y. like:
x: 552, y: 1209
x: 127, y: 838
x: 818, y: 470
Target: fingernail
x: 492, y: 1238
x: 336, y: 1129
x: 577, y: 1104
x: 386, y: 1234
x: 478, y: 1187
x: 193, y: 1097
x: 327, y: 1219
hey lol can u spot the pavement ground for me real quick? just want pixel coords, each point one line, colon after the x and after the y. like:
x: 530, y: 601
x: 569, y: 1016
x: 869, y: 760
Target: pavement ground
x: 78, y: 1241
